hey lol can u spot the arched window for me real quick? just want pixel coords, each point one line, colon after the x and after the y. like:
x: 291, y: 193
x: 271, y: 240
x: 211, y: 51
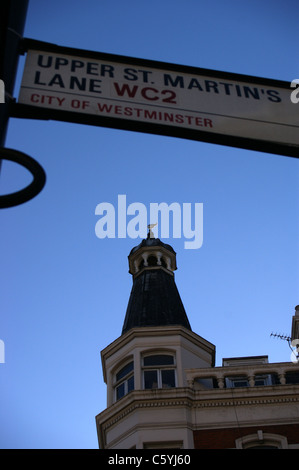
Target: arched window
x: 159, y: 371
x: 152, y: 260
x: 262, y: 440
x: 141, y: 264
x: 124, y: 380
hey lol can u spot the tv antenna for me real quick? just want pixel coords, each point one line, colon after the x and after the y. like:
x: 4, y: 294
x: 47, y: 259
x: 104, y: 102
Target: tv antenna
x: 283, y: 337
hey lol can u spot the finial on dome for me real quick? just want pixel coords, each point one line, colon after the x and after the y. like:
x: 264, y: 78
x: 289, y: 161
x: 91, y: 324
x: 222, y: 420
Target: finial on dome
x: 150, y: 233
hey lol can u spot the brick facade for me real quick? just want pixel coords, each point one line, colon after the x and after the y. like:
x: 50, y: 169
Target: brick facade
x: 225, y: 438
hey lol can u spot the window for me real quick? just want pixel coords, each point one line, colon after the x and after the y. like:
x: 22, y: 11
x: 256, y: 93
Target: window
x: 262, y: 447
x: 292, y: 377
x: 242, y: 381
x: 124, y: 380
x: 163, y: 445
x: 239, y: 383
x: 159, y: 371
x: 236, y: 382
x: 262, y: 440
x: 262, y: 380
x: 152, y: 260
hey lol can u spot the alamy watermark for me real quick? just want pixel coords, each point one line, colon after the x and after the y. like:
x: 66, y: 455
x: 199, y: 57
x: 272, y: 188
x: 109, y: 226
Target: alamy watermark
x: 185, y: 219
x: 2, y: 92
x: 295, y: 93
x: 2, y: 353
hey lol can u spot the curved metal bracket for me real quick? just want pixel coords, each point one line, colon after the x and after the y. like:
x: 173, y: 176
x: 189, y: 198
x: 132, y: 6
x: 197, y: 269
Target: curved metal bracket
x: 30, y: 191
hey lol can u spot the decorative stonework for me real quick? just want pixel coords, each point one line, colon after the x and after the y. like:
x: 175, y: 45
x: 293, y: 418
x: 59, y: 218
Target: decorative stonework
x: 144, y: 400
x: 220, y: 373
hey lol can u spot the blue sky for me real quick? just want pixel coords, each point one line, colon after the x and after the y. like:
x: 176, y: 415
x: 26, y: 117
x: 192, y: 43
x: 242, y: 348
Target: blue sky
x: 65, y: 291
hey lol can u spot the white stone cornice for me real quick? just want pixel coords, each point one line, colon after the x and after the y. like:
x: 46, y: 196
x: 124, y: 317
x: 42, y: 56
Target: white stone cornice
x: 186, y: 398
x: 156, y: 331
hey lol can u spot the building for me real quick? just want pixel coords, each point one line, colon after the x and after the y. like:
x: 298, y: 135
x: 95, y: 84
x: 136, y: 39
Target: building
x: 163, y: 389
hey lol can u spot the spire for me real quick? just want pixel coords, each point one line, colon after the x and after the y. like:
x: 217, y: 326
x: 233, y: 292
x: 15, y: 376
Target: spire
x: 154, y: 299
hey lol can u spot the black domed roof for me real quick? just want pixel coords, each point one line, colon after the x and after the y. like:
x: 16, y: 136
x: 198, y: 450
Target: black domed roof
x: 154, y: 299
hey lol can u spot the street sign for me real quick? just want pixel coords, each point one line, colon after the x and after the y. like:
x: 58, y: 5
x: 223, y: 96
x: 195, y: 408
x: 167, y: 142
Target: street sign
x: 148, y: 96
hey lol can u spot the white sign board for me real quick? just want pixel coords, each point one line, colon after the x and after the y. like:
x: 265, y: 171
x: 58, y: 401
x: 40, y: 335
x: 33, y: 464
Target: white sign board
x: 174, y: 98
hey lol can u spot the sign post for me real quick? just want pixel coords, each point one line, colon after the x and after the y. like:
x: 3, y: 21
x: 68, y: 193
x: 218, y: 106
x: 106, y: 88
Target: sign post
x: 13, y: 16
x: 88, y: 87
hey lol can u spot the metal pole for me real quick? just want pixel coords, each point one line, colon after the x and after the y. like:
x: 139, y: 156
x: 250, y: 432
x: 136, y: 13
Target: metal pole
x: 12, y: 23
